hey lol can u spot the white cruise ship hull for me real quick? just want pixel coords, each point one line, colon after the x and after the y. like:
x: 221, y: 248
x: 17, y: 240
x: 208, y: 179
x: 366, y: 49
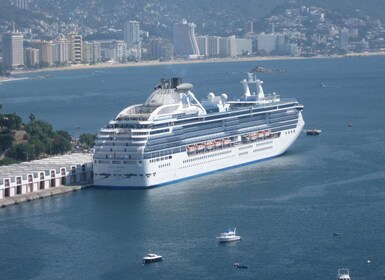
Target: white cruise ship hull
x: 182, y: 166
x: 172, y: 136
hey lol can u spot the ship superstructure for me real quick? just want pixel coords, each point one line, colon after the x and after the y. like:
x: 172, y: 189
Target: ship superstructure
x: 172, y: 136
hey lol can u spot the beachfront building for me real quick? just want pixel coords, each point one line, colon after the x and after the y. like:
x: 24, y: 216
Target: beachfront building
x: 243, y: 46
x: 344, y: 39
x: 185, y: 42
x: 46, y: 52
x: 22, y: 4
x: 273, y: 43
x: 13, y: 51
x: 87, y: 52
x: 213, y: 45
x: 91, y: 52
x: 227, y: 46
x: 62, y: 50
x: 202, y: 42
x: 49, y: 173
x: 132, y: 38
x: 76, y: 48
x: 32, y: 57
x: 159, y: 48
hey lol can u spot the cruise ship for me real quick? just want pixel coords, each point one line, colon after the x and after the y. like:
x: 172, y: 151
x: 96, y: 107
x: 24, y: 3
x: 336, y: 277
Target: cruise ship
x: 172, y: 136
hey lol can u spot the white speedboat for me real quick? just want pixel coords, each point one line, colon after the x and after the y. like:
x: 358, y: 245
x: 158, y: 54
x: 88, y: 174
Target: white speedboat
x: 150, y: 258
x: 343, y: 274
x: 313, y: 131
x: 228, y: 236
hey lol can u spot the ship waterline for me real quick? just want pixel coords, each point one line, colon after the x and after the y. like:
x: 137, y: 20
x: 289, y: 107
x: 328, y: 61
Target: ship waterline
x: 173, y: 136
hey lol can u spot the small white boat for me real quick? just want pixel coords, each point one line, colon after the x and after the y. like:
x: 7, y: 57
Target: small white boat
x: 150, y: 258
x: 228, y: 236
x: 343, y: 274
x: 238, y: 265
x: 313, y: 131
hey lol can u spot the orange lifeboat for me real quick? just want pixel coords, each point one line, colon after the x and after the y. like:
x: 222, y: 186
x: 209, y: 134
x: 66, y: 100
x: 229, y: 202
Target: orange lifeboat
x: 226, y: 141
x: 267, y: 133
x: 191, y: 149
x: 253, y: 136
x: 218, y: 143
x: 200, y: 147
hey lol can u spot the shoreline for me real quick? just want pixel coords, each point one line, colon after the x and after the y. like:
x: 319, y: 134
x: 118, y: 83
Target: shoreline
x: 17, y: 75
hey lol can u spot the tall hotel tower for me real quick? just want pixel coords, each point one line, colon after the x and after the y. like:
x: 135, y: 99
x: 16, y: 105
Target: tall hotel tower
x: 185, y: 42
x: 132, y: 38
x: 76, y: 48
x: 13, y: 52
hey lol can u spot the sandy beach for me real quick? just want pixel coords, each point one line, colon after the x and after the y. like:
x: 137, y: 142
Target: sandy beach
x: 17, y: 75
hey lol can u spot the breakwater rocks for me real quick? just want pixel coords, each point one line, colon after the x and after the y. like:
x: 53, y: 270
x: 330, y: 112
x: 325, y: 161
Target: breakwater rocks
x: 7, y: 201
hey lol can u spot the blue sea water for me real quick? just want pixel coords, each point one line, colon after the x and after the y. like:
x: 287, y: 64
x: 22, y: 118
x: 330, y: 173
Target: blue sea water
x: 285, y: 209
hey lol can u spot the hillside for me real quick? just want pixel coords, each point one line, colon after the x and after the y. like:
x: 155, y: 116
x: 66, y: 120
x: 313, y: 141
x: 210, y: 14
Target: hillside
x: 48, y: 18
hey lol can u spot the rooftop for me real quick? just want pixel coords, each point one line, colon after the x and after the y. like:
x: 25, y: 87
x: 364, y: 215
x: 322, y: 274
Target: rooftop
x: 45, y: 164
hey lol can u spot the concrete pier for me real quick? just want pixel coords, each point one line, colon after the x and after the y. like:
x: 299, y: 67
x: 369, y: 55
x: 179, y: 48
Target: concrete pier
x: 39, y: 195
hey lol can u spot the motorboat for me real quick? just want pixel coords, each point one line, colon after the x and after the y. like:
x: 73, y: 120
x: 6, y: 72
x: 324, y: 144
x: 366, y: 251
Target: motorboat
x: 313, y: 131
x: 150, y: 258
x: 343, y: 274
x: 238, y: 265
x: 229, y: 235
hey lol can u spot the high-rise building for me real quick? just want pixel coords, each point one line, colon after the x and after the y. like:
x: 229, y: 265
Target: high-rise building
x: 344, y: 39
x: 46, y: 51
x: 63, y: 50
x: 22, y: 4
x: 272, y: 43
x: 121, y: 50
x: 13, y: 52
x: 132, y: 38
x: 96, y: 52
x: 227, y: 46
x: 213, y: 45
x: 87, y: 52
x: 32, y: 57
x: 185, y: 42
x: 76, y: 48
x: 203, y: 43
x: 160, y: 49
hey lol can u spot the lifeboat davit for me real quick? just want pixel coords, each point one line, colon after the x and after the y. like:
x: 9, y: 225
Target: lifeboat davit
x: 209, y: 145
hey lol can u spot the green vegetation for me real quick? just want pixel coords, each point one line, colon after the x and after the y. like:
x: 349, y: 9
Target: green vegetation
x: 87, y: 140
x: 36, y: 139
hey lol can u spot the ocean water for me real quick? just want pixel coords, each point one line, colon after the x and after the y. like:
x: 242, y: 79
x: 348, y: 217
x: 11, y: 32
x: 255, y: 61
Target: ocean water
x: 286, y: 209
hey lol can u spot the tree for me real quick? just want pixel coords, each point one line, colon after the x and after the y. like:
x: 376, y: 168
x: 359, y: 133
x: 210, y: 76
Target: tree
x: 6, y: 139
x: 87, y: 139
x: 61, y: 143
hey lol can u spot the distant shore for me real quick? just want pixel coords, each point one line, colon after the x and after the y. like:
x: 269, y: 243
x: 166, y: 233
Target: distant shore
x: 17, y: 75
